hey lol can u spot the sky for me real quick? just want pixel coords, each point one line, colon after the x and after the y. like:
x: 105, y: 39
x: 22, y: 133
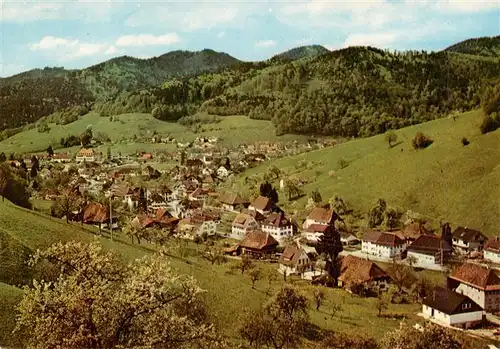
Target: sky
x: 80, y: 33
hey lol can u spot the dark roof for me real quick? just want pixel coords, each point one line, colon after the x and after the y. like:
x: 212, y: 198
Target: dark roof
x: 258, y: 240
x: 468, y: 235
x: 383, y: 238
x: 450, y: 302
x: 257, y: 215
x: 415, y: 229
x: 478, y: 276
x: 355, y: 270
x: 262, y: 203
x: 95, y: 213
x: 429, y: 244
x: 232, y: 199
x: 317, y: 228
x: 323, y: 215
x: 493, y: 244
x: 277, y: 220
x: 291, y: 255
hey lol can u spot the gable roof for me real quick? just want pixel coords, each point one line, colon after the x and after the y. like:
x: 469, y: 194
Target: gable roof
x: 477, y: 276
x: 291, y: 255
x: 355, y: 270
x: 414, y: 230
x: 232, y: 199
x: 258, y: 240
x: 277, y: 220
x: 242, y: 220
x: 468, y: 235
x: 493, y: 245
x: 316, y: 228
x: 383, y: 238
x: 256, y: 215
x: 262, y: 203
x: 449, y: 302
x: 323, y: 215
x: 429, y: 244
x: 95, y: 213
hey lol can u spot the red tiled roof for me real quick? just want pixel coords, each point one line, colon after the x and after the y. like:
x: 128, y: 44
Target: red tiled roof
x: 258, y: 240
x: 316, y: 228
x: 291, y: 255
x: 383, y: 238
x: 232, y: 199
x: 277, y: 220
x: 355, y: 270
x: 95, y: 213
x: 262, y: 203
x: 323, y: 215
x: 477, y: 276
x: 493, y: 245
x: 429, y: 244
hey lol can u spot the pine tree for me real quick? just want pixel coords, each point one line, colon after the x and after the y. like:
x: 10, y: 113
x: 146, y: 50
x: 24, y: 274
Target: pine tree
x: 330, y: 246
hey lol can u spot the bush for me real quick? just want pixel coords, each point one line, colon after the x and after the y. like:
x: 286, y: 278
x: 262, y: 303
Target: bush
x: 343, y: 163
x: 465, y: 142
x: 490, y: 123
x: 421, y: 141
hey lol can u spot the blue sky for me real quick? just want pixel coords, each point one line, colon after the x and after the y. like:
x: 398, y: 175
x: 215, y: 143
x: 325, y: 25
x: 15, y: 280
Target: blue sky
x: 79, y: 33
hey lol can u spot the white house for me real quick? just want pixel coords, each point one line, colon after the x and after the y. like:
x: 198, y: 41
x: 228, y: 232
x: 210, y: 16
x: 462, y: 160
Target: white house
x: 243, y: 224
x: 429, y: 250
x: 320, y: 216
x: 492, y: 250
x: 348, y: 238
x: 450, y: 308
x: 467, y: 240
x: 382, y: 244
x: 294, y: 260
x: 479, y: 283
x: 222, y: 172
x: 278, y: 226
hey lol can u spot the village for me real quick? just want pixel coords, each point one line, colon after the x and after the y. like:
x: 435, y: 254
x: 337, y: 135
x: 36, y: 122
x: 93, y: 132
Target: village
x: 137, y: 196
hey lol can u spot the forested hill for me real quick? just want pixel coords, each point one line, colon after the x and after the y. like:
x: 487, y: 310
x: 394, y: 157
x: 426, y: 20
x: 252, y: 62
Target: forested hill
x: 357, y: 91
x: 486, y: 46
x: 28, y: 96
x: 354, y: 92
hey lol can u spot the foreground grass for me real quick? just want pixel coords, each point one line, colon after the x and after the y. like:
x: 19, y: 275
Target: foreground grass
x: 228, y: 294
x: 231, y: 130
x: 446, y: 181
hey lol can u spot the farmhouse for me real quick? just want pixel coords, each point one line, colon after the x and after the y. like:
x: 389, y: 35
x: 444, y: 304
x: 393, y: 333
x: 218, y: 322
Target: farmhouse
x: 258, y: 244
x: 320, y: 216
x: 294, y: 260
x: 468, y: 240
x: 278, y: 226
x: 479, y: 283
x: 243, y: 224
x: 358, y: 275
x: 452, y: 309
x: 314, y: 231
x: 413, y: 230
x: 492, y: 250
x: 230, y: 202
x: 429, y: 250
x: 86, y: 155
x: 262, y: 205
x: 382, y: 244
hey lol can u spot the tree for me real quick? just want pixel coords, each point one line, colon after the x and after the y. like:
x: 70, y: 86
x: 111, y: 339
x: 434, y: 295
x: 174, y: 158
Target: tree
x: 4, y: 181
x: 381, y: 304
x: 43, y: 127
x: 108, y: 153
x: 35, y: 163
x: 392, y: 217
x: 213, y: 254
x: 266, y: 189
x: 275, y: 172
x: 33, y: 172
x: 85, y: 139
x: 391, y: 138
x: 376, y: 214
x: 339, y: 340
x: 50, y: 151
x: 66, y: 203
x: 319, y: 297
x: 316, y: 196
x: 338, y: 204
x: 343, y: 163
x: 421, y: 141
x: 106, y: 304
x: 401, y: 274
x: 465, y: 141
x: 255, y: 275
x: 292, y: 189
x: 245, y: 264
x: 330, y: 246
x: 430, y: 337
x: 3, y: 158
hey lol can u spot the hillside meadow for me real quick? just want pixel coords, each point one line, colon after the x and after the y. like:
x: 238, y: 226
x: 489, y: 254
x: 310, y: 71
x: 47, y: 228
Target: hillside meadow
x: 446, y: 181
x: 229, y: 294
x: 231, y: 130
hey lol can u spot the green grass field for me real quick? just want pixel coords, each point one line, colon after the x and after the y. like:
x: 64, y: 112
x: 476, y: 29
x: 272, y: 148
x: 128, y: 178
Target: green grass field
x: 228, y: 294
x: 445, y: 181
x: 231, y: 130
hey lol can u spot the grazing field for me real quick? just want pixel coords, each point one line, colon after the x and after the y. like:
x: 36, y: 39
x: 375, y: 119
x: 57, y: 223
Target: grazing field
x: 228, y: 295
x: 446, y: 181
x: 231, y: 130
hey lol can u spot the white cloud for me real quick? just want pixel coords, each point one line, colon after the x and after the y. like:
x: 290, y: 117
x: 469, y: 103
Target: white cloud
x: 68, y: 49
x: 147, y: 39
x: 220, y: 35
x: 381, y: 40
x: 112, y: 50
x: 265, y: 43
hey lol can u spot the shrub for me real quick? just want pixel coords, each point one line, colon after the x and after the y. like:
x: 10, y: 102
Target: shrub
x: 343, y: 163
x: 465, y: 142
x: 421, y: 141
x: 490, y: 123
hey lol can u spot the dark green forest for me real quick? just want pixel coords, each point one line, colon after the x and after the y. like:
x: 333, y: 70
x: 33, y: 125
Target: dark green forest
x: 354, y: 92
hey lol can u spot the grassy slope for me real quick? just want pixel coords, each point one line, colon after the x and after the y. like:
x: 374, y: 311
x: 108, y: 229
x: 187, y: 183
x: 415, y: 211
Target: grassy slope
x: 232, y: 130
x: 227, y: 295
x: 446, y: 180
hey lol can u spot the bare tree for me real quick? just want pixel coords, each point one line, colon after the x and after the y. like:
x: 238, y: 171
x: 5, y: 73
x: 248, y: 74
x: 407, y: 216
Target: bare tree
x: 255, y: 275
x: 319, y: 297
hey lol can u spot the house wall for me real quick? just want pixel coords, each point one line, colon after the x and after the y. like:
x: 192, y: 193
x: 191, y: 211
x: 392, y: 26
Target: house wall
x: 473, y: 293
x: 466, y: 319
x: 381, y: 250
x: 492, y: 256
x: 422, y: 258
x: 279, y: 233
x: 308, y: 222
